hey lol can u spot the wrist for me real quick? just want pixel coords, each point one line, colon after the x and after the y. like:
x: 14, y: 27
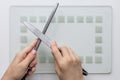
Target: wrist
x: 72, y: 78
x: 7, y: 75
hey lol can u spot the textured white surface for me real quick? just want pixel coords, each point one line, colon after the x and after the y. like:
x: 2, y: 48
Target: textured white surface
x: 4, y: 34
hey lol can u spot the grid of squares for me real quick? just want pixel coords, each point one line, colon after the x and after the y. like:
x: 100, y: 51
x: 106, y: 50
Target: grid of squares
x: 64, y: 19
x: 67, y: 19
x: 98, y: 39
x: 91, y: 23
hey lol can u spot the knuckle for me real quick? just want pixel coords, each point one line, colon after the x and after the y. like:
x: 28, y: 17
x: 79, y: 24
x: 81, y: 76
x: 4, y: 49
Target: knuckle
x: 62, y: 66
x: 77, y: 59
x: 66, y: 62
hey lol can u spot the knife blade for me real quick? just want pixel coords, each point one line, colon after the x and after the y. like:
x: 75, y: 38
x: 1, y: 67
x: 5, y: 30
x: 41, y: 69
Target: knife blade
x: 38, y: 33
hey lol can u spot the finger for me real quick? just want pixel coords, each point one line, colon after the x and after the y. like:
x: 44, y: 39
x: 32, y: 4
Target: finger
x: 33, y: 63
x: 72, y: 52
x: 21, y: 55
x: 57, y: 68
x: 31, y: 71
x: 30, y: 46
x: 73, y: 55
x: 64, y: 51
x: 55, y: 51
x: 29, y: 58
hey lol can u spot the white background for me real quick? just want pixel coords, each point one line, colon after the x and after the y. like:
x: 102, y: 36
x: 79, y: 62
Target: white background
x: 4, y: 33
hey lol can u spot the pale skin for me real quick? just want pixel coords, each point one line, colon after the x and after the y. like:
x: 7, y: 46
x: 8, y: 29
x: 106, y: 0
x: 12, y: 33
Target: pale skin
x: 67, y: 63
x: 19, y: 65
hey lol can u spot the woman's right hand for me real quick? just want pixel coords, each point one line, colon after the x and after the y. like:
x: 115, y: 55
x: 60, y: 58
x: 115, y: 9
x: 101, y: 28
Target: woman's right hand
x: 67, y: 63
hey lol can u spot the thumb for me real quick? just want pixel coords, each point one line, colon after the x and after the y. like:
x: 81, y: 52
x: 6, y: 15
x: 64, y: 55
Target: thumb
x: 29, y: 58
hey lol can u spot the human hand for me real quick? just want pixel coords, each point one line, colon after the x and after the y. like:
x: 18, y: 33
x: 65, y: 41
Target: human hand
x: 19, y: 65
x: 67, y: 63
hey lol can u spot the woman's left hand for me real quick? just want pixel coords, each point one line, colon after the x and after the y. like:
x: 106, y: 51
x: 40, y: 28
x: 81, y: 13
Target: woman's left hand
x: 19, y: 65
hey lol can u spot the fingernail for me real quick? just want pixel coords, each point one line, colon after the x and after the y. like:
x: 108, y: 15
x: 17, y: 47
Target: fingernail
x: 34, y: 52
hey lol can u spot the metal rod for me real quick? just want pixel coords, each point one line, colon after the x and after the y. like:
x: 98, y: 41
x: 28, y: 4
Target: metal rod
x: 47, y: 25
